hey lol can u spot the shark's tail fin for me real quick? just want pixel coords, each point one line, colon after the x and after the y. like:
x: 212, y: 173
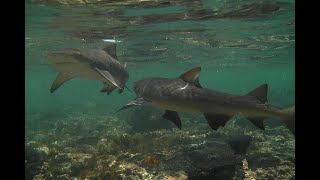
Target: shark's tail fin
x: 289, y: 118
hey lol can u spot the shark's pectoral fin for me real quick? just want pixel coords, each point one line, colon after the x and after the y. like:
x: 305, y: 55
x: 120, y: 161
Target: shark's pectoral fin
x: 60, y: 79
x: 108, y: 76
x: 136, y: 102
x: 192, y: 76
x: 257, y: 122
x: 111, y: 50
x: 260, y: 93
x: 216, y: 120
x: 172, y: 116
x: 108, y: 88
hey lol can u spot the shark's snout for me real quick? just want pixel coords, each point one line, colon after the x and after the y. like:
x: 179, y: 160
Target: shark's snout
x: 138, y: 87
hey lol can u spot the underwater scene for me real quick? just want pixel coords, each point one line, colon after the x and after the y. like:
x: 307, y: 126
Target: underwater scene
x: 159, y: 89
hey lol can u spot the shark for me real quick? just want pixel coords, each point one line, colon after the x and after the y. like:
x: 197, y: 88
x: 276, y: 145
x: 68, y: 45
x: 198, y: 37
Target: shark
x: 186, y: 94
x: 92, y: 64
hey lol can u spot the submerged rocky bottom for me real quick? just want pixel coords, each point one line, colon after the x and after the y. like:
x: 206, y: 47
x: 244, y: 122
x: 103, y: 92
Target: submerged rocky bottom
x: 99, y: 147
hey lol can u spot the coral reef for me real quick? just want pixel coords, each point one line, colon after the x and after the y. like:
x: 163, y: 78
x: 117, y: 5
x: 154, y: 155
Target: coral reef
x: 34, y: 159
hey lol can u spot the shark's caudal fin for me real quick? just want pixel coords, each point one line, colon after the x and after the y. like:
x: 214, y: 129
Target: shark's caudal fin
x: 289, y: 118
x: 60, y: 79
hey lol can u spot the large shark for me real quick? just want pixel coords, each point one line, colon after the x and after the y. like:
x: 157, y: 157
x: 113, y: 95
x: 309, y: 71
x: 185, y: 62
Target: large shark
x: 92, y: 64
x: 185, y: 94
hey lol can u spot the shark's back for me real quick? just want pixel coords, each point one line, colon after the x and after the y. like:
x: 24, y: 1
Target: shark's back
x: 100, y: 58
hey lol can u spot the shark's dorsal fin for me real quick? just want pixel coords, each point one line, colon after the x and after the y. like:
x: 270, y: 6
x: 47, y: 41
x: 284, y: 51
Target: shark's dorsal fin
x: 192, y: 76
x: 111, y: 50
x: 260, y: 93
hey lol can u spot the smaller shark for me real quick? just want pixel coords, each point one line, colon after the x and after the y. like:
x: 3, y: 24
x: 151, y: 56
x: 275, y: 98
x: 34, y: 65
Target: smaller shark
x: 92, y: 64
x: 185, y: 94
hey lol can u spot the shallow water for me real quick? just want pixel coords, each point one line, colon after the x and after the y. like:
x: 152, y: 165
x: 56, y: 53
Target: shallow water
x: 239, y: 45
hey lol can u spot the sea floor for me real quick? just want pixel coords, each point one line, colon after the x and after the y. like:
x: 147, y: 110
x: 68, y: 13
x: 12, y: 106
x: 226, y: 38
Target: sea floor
x: 89, y: 146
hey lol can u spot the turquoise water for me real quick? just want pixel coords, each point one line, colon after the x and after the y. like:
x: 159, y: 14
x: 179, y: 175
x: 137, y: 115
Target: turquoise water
x: 237, y: 52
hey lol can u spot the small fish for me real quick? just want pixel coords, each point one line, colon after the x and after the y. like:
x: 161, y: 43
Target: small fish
x: 92, y: 64
x: 185, y: 94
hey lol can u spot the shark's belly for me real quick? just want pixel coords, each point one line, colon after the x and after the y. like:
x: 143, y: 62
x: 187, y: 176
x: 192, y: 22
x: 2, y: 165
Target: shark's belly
x: 91, y: 74
x: 82, y: 70
x: 176, y: 106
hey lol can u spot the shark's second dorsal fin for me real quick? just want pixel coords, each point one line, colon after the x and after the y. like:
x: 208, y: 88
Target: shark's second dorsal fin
x: 260, y: 93
x: 111, y: 50
x: 192, y: 76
